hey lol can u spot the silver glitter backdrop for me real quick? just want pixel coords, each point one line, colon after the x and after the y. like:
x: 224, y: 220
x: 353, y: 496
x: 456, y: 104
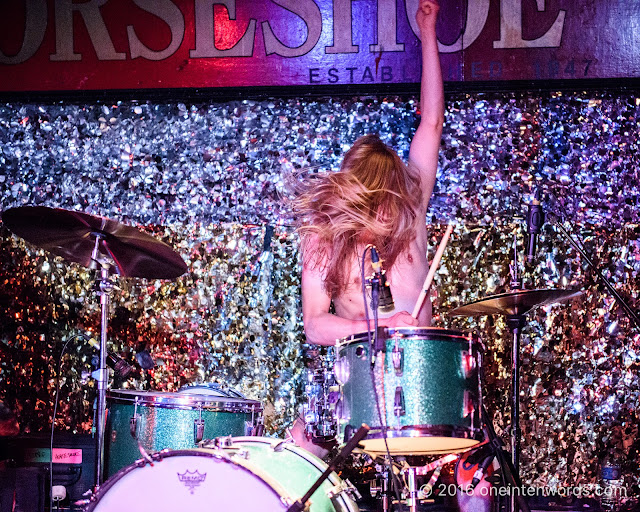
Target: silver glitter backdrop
x: 210, y: 179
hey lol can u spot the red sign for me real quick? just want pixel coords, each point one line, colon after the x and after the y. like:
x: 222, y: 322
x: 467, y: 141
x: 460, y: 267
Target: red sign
x: 131, y: 44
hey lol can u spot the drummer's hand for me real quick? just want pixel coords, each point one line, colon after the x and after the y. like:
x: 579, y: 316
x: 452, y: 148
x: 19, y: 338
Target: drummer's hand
x: 401, y: 319
x: 427, y: 15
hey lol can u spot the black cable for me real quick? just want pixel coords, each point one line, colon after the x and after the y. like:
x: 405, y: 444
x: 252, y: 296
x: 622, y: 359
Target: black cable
x: 53, y: 421
x: 580, y: 248
x: 383, y: 423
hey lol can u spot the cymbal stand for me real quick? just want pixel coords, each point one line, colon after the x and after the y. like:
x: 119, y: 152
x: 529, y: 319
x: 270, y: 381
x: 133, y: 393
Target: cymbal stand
x: 104, y: 286
x: 516, y: 323
x: 509, y: 473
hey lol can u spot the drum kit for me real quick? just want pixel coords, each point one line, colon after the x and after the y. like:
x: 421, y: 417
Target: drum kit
x: 199, y: 446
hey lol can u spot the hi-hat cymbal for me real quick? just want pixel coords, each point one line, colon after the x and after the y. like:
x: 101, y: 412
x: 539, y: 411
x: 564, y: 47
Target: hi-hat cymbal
x: 515, y: 303
x: 72, y: 235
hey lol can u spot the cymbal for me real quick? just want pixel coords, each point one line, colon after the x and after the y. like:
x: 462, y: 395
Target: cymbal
x: 72, y: 235
x: 515, y: 303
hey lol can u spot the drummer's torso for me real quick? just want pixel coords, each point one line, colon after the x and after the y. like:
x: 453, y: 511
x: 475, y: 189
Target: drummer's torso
x: 405, y: 278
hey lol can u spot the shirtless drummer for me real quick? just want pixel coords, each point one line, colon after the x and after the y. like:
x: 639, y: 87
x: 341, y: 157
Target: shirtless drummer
x: 376, y: 199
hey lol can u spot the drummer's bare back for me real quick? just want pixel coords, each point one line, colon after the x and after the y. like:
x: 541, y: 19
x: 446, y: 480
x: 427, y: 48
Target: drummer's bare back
x: 406, y: 279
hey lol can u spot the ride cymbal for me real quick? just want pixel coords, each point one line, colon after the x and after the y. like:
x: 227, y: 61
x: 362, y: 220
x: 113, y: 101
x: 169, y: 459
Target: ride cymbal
x: 73, y: 236
x: 515, y: 303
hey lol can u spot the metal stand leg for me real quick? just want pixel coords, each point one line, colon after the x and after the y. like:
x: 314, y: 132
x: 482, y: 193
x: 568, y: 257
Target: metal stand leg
x: 102, y: 375
x: 516, y: 323
x: 511, y: 477
x: 413, y: 491
x: 385, y: 491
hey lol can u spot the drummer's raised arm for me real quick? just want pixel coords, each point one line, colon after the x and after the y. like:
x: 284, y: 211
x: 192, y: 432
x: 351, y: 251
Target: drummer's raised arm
x: 425, y: 144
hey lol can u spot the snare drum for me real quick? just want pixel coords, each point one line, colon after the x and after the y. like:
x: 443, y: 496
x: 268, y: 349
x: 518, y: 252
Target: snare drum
x: 427, y: 386
x: 248, y: 474
x: 172, y: 420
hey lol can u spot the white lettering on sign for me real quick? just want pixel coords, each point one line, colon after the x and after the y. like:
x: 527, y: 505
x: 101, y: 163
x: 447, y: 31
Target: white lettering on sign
x: 511, y: 27
x: 205, y: 32
x: 35, y: 25
x: 310, y: 14
x: 342, y: 29
x: 387, y: 28
x: 168, y: 11
x: 96, y: 28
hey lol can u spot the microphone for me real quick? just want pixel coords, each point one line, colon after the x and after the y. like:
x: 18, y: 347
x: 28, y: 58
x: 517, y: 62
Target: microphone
x: 385, y: 301
x: 120, y: 367
x: 535, y: 221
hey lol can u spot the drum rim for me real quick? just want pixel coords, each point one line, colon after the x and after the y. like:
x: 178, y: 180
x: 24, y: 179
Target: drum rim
x: 409, y: 333
x: 416, y: 433
x: 274, y: 486
x: 317, y: 462
x: 320, y: 465
x: 170, y: 400
x: 449, y: 431
x: 228, y: 392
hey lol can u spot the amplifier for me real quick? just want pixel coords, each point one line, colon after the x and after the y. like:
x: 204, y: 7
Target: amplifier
x: 73, y: 460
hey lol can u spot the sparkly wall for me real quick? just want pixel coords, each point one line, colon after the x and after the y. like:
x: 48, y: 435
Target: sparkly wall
x: 210, y: 178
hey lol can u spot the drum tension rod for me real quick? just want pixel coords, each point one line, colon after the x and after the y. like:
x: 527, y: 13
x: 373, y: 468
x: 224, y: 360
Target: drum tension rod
x: 397, y: 356
x: 198, y: 427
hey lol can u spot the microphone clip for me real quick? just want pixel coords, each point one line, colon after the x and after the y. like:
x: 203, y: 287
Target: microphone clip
x: 381, y: 297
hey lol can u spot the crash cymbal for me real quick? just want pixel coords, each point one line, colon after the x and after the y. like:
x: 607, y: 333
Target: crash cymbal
x: 72, y: 235
x: 515, y: 303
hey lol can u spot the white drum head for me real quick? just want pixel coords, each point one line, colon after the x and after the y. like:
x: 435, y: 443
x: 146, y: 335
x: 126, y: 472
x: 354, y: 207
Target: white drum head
x: 190, y: 480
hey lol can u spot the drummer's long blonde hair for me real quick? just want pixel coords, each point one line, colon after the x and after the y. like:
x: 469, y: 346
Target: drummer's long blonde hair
x: 374, y: 198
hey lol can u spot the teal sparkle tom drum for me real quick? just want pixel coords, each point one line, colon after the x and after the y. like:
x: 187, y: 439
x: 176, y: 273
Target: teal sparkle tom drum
x: 162, y: 420
x: 427, y: 385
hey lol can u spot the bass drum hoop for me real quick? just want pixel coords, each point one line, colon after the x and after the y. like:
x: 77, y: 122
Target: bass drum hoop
x: 307, y: 456
x: 158, y: 457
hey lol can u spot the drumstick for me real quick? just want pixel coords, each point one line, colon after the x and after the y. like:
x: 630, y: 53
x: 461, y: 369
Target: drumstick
x: 432, y: 271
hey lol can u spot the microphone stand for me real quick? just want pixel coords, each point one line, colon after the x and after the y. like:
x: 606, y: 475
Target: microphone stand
x: 578, y: 247
x: 378, y: 340
x: 377, y: 345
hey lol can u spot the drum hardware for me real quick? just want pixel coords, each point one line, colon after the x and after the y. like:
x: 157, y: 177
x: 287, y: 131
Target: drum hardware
x: 382, y: 490
x: 198, y: 427
x: 428, y: 468
x: 301, y: 504
x: 426, y: 490
x: 412, y: 500
x: 398, y: 402
x: 323, y: 395
x: 397, y: 356
x: 514, y: 306
x: 223, y: 442
x: 96, y: 242
x: 344, y: 487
